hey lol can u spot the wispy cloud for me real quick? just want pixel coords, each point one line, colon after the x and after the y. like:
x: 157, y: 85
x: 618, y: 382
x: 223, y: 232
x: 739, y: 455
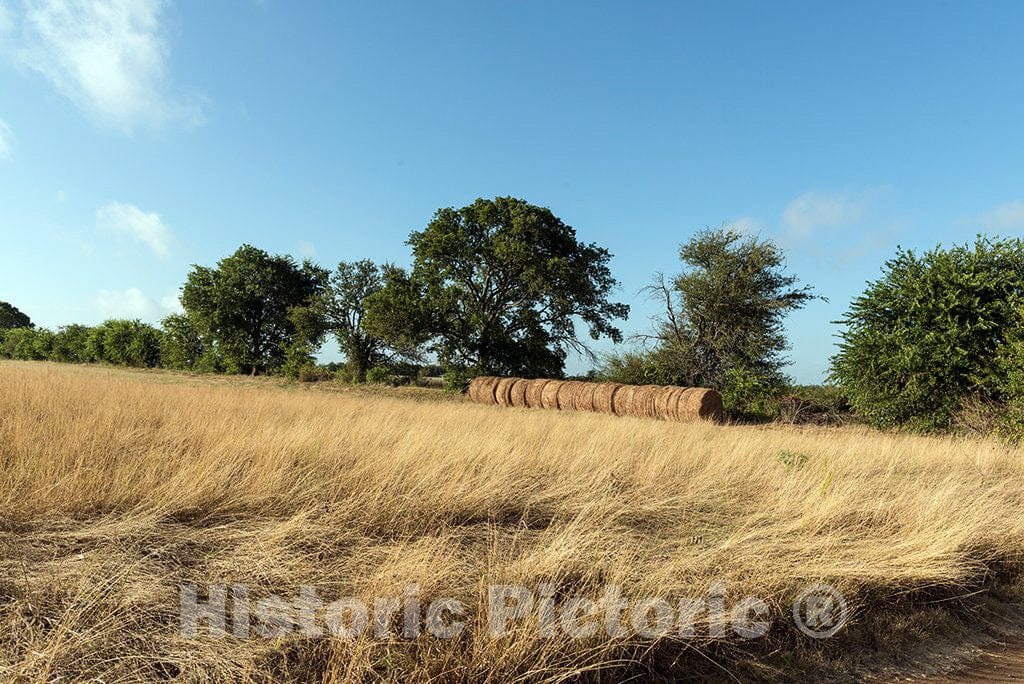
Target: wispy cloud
x: 132, y: 303
x: 110, y: 58
x: 812, y: 212
x: 129, y: 220
x: 1009, y: 216
x: 307, y: 250
x: 6, y: 140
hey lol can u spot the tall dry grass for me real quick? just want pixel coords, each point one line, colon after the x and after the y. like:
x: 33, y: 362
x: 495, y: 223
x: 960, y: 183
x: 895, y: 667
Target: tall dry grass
x: 116, y: 487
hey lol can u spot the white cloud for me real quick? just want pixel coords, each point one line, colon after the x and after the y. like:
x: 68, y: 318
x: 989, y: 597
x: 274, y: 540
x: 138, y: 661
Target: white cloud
x: 132, y: 303
x: 172, y: 303
x: 110, y: 58
x: 60, y: 196
x: 812, y: 212
x: 747, y: 225
x: 5, y: 18
x: 128, y: 219
x: 6, y: 140
x: 307, y: 250
x: 1009, y: 216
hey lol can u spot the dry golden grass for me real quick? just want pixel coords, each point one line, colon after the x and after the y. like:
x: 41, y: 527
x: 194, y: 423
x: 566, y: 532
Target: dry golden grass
x: 116, y: 487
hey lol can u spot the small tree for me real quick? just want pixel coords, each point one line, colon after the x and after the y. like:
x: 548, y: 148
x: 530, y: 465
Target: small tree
x: 345, y: 310
x: 244, y: 305
x: 11, y: 317
x: 723, y: 322
x: 932, y: 330
x: 497, y: 287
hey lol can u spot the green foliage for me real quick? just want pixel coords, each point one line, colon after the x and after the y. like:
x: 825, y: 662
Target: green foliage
x: 245, y: 305
x: 749, y: 396
x: 11, y: 317
x: 932, y: 331
x: 497, y: 285
x: 309, y: 327
x: 381, y: 375
x: 25, y: 344
x: 723, y: 324
x: 724, y: 314
x: 185, y: 347
x: 352, y: 283
x: 69, y: 344
x: 791, y: 459
x: 637, y: 367
x: 131, y: 343
x: 456, y: 380
x: 94, y: 350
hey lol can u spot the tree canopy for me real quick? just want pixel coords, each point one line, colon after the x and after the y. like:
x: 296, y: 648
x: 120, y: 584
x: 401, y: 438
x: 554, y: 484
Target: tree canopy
x: 244, y: 305
x: 11, y: 317
x: 345, y: 309
x: 498, y: 286
x: 722, y: 325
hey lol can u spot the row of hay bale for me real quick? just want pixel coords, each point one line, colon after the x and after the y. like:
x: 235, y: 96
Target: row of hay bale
x: 680, y: 404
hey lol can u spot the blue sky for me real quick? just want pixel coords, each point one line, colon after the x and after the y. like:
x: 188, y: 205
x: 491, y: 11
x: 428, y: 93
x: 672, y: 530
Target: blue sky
x: 139, y: 137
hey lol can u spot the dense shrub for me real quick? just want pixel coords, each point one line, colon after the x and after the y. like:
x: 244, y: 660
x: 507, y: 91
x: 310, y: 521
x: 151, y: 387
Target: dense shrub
x: 69, y: 345
x: 130, y: 343
x: 932, y: 331
x: 22, y: 344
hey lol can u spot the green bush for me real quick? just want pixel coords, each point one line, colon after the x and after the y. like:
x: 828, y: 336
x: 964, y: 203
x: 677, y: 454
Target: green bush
x: 456, y: 380
x: 127, y: 343
x: 380, y: 375
x: 930, y: 332
x: 23, y: 344
x: 747, y: 395
x: 69, y: 344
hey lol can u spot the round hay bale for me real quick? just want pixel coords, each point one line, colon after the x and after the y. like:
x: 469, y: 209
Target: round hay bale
x: 566, y: 393
x: 534, y: 389
x: 502, y: 391
x: 583, y: 399
x: 672, y: 403
x: 517, y: 395
x: 549, y: 394
x: 482, y: 392
x: 700, y: 403
x: 644, y: 401
x: 604, y: 396
x: 473, y: 391
x: 664, y: 403
x: 623, y: 399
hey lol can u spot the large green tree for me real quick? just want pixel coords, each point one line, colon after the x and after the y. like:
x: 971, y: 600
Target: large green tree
x: 933, y: 329
x: 11, y: 317
x: 244, y: 305
x: 498, y: 287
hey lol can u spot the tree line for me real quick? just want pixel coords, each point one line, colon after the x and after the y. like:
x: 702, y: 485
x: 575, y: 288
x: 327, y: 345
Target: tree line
x: 504, y: 287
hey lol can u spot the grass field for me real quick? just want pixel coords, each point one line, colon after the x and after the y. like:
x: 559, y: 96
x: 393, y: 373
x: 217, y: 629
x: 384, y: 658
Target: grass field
x: 116, y: 487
